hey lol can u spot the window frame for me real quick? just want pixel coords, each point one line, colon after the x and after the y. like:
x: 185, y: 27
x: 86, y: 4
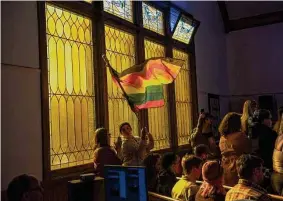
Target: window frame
x: 99, y: 18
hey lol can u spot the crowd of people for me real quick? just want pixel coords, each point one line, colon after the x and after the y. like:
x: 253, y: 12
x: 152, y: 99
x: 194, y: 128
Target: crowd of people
x: 248, y: 158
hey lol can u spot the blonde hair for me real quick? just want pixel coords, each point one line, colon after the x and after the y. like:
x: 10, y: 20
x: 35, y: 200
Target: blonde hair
x: 247, y: 112
x: 280, y: 130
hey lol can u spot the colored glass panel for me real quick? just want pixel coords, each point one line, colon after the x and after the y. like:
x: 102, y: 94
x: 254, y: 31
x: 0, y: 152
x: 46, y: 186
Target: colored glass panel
x: 120, y: 50
x: 122, y: 9
x: 152, y: 19
x: 71, y: 87
x: 158, y: 118
x: 183, y: 99
x: 184, y: 30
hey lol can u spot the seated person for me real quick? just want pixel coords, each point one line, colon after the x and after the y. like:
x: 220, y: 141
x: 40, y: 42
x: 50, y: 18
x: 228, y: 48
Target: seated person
x: 202, y: 151
x: 186, y: 188
x: 152, y: 164
x: 250, y: 172
x: 103, y: 153
x: 166, y: 178
x: 212, y: 187
x: 25, y: 188
x: 133, y: 149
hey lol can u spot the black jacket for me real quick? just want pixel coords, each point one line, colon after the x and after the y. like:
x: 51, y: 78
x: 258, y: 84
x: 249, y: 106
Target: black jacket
x: 267, y: 138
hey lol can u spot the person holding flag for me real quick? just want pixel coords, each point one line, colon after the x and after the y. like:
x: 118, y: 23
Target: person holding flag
x: 142, y: 87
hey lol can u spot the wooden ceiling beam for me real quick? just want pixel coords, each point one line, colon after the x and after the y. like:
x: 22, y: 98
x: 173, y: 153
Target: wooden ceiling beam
x: 247, y: 22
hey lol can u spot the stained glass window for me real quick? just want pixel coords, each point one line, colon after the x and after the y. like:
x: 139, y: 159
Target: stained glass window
x: 152, y: 19
x: 158, y: 117
x: 120, y: 8
x: 184, y: 30
x: 183, y: 98
x: 174, y: 14
x: 120, y: 50
x: 71, y: 88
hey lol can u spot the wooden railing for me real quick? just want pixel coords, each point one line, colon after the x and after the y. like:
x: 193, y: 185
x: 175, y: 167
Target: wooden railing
x: 157, y: 197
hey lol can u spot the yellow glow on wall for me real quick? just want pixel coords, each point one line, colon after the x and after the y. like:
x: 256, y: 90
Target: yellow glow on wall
x: 120, y: 50
x: 183, y: 98
x: 71, y: 88
x: 158, y: 117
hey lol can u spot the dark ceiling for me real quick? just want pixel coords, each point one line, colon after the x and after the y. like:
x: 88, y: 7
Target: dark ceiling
x: 247, y: 14
x: 242, y: 9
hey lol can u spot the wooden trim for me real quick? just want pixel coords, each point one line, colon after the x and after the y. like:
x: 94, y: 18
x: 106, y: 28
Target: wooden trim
x: 81, y: 8
x: 102, y: 104
x: 194, y: 91
x: 256, y: 21
x: 44, y: 90
x: 224, y: 14
x: 140, y: 55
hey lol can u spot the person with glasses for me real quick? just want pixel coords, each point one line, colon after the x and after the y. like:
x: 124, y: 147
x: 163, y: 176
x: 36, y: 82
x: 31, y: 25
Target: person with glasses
x: 262, y: 130
x: 250, y: 171
x: 25, y: 188
x: 103, y: 153
x: 131, y: 149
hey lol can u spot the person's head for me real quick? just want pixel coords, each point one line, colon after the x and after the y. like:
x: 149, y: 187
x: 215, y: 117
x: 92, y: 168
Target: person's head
x: 262, y: 116
x: 231, y: 123
x: 170, y: 161
x: 212, y: 172
x: 125, y: 129
x: 208, y: 118
x: 25, y: 188
x: 280, y: 112
x: 102, y: 137
x: 153, y: 161
x: 191, y: 165
x: 250, y: 106
x: 202, y: 151
x: 249, y: 167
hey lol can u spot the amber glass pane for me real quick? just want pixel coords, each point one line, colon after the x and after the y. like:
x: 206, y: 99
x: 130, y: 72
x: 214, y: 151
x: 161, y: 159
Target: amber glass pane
x: 183, y: 98
x: 120, y: 50
x: 158, y: 117
x: 184, y: 30
x: 152, y: 19
x: 71, y: 88
x: 120, y: 8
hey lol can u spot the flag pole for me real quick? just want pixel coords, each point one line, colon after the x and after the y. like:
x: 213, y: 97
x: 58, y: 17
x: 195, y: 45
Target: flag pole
x: 114, y: 74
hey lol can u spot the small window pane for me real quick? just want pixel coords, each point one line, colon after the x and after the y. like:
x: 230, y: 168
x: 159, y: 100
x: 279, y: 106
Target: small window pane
x: 122, y: 9
x: 152, y: 19
x: 184, y: 30
x: 71, y: 87
x: 174, y: 14
x: 158, y: 118
x: 183, y: 98
x: 120, y: 50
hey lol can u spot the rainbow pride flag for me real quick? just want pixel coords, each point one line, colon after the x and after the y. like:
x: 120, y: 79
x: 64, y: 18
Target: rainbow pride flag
x: 142, y: 84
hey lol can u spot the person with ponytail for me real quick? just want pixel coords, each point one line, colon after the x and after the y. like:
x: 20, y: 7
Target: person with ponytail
x: 212, y: 187
x: 276, y: 126
x: 277, y: 175
x: 246, y: 119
